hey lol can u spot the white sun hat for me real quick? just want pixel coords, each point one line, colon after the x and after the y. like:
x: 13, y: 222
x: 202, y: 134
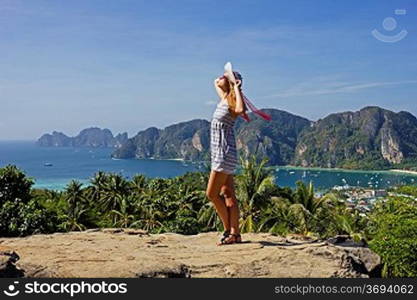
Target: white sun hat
x: 232, y: 75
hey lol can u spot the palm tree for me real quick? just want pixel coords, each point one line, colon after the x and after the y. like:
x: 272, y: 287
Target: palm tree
x: 72, y: 221
x: 74, y: 196
x: 207, y: 216
x: 97, y: 185
x: 114, y: 189
x: 277, y: 216
x: 123, y: 218
x: 253, y: 190
x: 149, y: 218
x: 305, y: 207
x: 139, y: 183
x: 348, y: 223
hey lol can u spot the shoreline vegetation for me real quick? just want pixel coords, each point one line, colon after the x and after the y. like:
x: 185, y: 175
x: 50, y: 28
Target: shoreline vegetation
x: 390, y: 171
x: 180, y: 205
x: 397, y: 172
x: 292, y: 167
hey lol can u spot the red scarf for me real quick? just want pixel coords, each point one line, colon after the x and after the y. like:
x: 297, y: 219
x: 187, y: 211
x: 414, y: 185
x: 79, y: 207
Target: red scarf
x: 249, y: 104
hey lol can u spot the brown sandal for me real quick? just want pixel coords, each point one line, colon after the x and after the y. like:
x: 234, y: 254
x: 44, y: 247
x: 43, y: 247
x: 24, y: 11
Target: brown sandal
x: 231, y: 239
x: 224, y: 237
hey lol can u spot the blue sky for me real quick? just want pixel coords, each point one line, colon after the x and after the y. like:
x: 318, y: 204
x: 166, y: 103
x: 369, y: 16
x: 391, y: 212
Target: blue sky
x: 128, y: 65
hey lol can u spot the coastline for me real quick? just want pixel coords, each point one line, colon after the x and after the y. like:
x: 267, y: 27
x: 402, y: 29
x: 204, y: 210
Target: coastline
x: 152, y: 158
x: 389, y: 171
x: 404, y: 171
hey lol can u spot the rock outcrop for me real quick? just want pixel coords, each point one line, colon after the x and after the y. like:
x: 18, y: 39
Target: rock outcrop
x: 89, y: 137
x: 134, y: 253
x: 56, y: 139
x: 186, y: 140
x: 276, y: 139
x: 371, y: 138
x: 190, y: 140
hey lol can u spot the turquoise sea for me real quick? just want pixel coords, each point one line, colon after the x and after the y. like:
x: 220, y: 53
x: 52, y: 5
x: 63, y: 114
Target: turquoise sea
x: 81, y: 164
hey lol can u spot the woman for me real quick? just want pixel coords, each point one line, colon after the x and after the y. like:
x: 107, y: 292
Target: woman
x: 224, y: 156
x: 223, y: 151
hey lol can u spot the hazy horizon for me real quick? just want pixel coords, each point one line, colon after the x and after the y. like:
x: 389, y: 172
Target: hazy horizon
x: 129, y: 65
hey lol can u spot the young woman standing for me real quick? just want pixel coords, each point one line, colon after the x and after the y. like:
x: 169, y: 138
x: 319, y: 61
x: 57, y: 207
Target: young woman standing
x: 224, y: 155
x: 223, y: 150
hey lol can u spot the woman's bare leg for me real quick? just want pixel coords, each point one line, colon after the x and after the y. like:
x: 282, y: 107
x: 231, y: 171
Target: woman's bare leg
x: 231, y: 203
x: 216, y: 181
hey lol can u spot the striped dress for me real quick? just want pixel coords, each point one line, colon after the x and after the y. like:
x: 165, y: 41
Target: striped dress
x: 222, y: 140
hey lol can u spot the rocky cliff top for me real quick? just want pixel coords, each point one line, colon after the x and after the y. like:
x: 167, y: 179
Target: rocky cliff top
x: 89, y: 137
x: 104, y: 253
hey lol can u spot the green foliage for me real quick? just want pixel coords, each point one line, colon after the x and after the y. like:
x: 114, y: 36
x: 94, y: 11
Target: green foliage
x: 255, y: 186
x: 180, y: 205
x: 19, y: 215
x: 407, y: 190
x: 14, y: 185
x: 393, y: 229
x: 19, y: 219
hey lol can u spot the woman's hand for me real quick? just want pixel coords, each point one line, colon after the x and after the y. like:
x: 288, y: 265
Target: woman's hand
x: 238, y: 83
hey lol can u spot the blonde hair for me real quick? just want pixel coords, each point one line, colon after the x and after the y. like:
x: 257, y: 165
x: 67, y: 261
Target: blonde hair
x: 231, y: 95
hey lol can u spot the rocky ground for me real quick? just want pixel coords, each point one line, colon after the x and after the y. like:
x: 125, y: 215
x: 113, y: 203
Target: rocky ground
x: 103, y: 253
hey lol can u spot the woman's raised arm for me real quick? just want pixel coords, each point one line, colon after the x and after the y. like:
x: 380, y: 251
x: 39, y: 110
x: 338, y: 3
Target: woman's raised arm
x: 240, y: 105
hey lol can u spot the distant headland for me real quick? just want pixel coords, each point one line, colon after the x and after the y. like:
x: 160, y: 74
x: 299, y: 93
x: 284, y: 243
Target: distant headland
x: 371, y: 138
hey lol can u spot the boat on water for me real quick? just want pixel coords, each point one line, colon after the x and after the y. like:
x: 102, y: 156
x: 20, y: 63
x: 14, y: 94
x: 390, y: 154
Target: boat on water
x: 47, y: 164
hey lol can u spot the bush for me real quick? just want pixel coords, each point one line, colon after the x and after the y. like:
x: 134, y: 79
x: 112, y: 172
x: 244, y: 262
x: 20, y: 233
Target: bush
x: 14, y: 185
x: 19, y: 219
x: 394, y: 236
x: 408, y: 190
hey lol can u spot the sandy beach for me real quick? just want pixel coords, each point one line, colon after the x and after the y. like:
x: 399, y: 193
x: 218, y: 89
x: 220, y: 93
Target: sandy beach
x: 404, y: 171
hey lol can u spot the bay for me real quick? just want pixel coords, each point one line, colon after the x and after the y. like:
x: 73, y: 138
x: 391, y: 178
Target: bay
x: 67, y: 163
